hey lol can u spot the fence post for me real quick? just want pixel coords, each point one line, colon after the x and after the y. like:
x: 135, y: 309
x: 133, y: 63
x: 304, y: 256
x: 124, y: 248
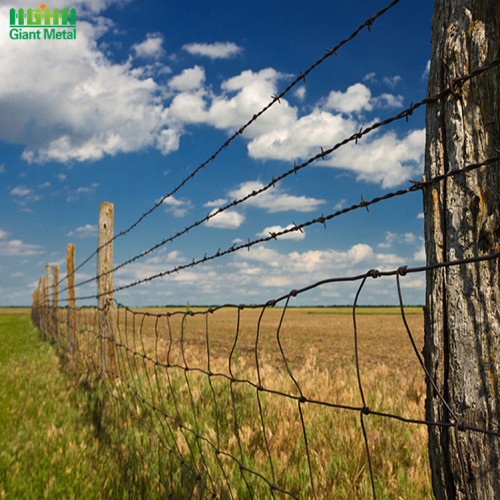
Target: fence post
x: 39, y: 304
x: 462, y: 220
x: 70, y: 271
x: 48, y: 308
x: 55, y: 301
x: 104, y: 291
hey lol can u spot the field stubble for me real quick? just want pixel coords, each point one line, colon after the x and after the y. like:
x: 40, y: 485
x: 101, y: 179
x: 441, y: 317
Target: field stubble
x: 183, y: 410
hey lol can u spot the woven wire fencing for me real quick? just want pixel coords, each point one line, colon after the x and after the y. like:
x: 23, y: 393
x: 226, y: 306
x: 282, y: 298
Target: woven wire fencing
x: 267, y: 400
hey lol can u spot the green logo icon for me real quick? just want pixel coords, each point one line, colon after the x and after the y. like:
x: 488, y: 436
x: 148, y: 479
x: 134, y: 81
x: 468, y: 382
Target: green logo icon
x: 55, y: 23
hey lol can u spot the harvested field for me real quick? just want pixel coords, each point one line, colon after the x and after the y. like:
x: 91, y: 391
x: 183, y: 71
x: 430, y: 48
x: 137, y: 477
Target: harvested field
x: 190, y: 383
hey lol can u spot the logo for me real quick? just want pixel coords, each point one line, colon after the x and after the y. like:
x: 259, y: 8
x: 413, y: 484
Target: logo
x: 43, y: 23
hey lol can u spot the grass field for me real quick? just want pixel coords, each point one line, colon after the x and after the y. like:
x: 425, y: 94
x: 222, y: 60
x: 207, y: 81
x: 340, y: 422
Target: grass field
x: 48, y: 443
x: 166, y: 423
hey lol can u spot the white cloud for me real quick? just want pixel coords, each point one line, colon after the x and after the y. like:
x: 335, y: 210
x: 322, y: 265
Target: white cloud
x: 300, y: 93
x: 189, y: 79
x: 151, y: 47
x: 228, y: 219
x: 69, y: 102
x: 217, y: 50
x: 370, y: 77
x: 61, y: 177
x: 427, y: 70
x: 385, y: 159
x: 358, y: 98
x: 252, y: 92
x: 87, y: 231
x: 391, y: 238
x: 20, y: 191
x: 75, y: 194
x: 2, y: 168
x: 216, y: 203
x: 178, y: 208
x: 274, y: 199
x: 302, y: 137
x: 16, y: 248
x: 189, y: 107
x: 392, y: 81
x: 295, y: 235
x: 355, y: 99
x: 420, y: 215
x: 420, y: 256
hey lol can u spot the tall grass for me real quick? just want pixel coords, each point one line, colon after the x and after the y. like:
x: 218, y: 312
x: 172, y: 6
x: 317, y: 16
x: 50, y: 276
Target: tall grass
x: 185, y: 434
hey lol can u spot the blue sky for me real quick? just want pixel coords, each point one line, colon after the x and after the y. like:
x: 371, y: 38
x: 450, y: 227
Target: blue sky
x: 149, y: 90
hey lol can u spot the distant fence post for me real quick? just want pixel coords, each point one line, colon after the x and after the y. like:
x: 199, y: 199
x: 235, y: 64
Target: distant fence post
x: 104, y: 291
x: 55, y: 301
x: 46, y: 312
x: 70, y: 271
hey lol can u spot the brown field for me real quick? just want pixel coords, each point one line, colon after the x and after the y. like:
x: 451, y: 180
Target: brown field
x: 318, y: 360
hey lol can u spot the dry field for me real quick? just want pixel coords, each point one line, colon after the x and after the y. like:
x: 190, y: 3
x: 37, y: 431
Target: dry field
x: 189, y: 415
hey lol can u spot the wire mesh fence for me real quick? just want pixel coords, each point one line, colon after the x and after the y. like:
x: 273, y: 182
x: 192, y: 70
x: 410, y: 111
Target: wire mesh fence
x: 233, y: 401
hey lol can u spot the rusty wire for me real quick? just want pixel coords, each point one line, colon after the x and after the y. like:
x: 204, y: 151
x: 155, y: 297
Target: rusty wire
x: 163, y: 402
x: 364, y: 204
x: 329, y: 52
x: 451, y: 89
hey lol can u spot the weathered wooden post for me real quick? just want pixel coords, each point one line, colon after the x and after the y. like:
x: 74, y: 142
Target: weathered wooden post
x: 46, y: 305
x: 105, y: 291
x: 55, y: 301
x: 70, y: 271
x: 462, y: 220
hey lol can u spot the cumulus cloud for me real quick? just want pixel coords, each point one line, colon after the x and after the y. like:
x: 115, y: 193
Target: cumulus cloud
x: 16, y: 248
x: 358, y: 98
x: 85, y: 107
x: 178, y: 208
x: 303, y: 136
x: 217, y: 50
x: 151, y: 47
x: 87, y: 231
x: 20, y: 191
x: 216, y: 203
x: 190, y: 79
x: 385, y: 159
x: 295, y: 235
x: 274, y: 199
x: 229, y: 219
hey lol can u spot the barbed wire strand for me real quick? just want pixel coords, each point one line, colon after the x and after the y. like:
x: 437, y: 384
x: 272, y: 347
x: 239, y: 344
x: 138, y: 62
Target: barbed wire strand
x: 136, y: 378
x: 451, y: 89
x: 415, y: 186
x: 329, y: 52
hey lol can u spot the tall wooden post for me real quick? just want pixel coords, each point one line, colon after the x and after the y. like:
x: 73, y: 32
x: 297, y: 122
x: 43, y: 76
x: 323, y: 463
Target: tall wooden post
x: 55, y: 301
x: 462, y: 220
x: 104, y: 291
x: 70, y: 271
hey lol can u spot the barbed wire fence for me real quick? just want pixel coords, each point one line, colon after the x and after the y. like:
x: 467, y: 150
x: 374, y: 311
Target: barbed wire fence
x: 204, y: 407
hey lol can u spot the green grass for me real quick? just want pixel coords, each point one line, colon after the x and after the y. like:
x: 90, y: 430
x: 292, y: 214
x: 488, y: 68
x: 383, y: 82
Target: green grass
x: 49, y: 447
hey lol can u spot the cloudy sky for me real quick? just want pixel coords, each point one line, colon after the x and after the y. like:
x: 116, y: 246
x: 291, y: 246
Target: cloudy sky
x: 150, y: 90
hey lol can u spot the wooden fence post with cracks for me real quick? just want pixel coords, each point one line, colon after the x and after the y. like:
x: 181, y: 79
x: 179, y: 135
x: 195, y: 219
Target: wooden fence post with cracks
x: 109, y: 367
x: 70, y: 269
x: 462, y: 220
